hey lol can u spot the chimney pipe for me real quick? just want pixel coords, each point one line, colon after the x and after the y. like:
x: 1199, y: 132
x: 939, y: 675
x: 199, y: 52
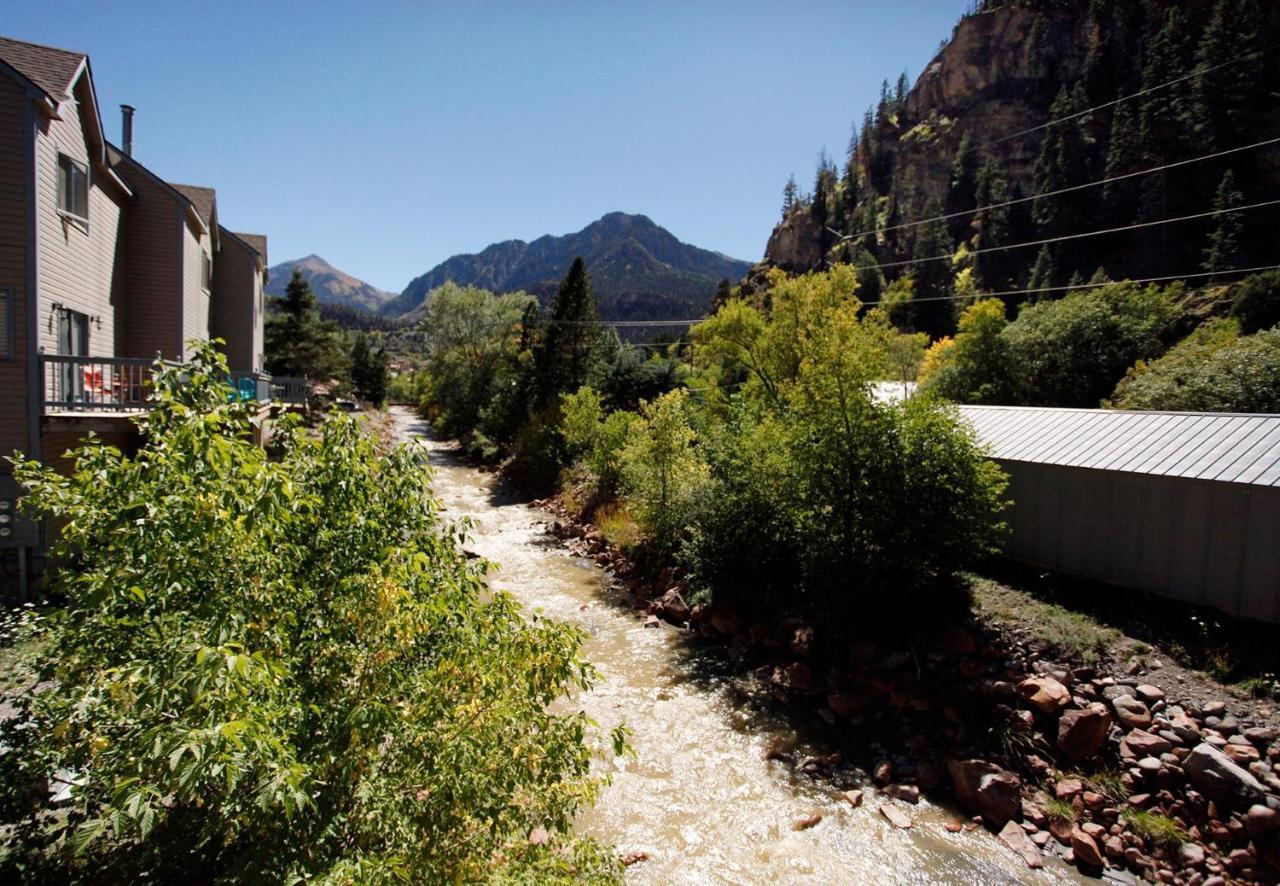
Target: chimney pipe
x: 127, y: 113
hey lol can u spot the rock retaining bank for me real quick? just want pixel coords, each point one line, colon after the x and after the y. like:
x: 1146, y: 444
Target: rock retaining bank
x: 1092, y: 764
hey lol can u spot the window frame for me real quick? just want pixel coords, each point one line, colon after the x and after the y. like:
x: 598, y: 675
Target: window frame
x: 8, y: 341
x: 67, y: 166
x: 206, y: 271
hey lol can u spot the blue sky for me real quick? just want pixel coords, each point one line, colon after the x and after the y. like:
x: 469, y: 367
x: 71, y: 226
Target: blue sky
x: 387, y: 136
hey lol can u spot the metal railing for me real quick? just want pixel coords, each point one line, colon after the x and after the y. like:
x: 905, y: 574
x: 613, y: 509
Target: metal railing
x: 289, y: 389
x: 96, y: 384
x: 124, y: 384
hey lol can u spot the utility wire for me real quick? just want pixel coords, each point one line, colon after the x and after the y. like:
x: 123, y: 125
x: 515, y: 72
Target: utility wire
x: 1200, y: 72
x: 1080, y: 236
x: 1044, y: 289
x: 1031, y: 197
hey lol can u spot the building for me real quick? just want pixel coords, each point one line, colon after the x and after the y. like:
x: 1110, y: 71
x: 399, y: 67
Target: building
x: 1185, y: 505
x: 103, y: 268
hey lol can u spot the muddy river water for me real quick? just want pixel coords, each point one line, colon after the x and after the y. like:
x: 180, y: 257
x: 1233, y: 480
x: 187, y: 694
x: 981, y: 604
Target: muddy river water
x: 698, y: 797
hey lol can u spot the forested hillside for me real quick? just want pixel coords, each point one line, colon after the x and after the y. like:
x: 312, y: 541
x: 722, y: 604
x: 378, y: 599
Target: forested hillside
x: 943, y: 190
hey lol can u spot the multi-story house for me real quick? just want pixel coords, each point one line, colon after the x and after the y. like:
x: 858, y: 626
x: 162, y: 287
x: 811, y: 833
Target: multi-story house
x: 104, y: 267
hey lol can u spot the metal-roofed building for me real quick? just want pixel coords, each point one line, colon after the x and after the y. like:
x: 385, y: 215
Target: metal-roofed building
x: 1186, y: 505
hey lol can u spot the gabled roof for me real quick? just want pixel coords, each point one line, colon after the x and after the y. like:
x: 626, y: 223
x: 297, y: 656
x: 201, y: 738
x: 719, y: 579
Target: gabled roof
x: 50, y: 69
x: 1225, y: 447
x: 203, y: 199
x: 257, y: 241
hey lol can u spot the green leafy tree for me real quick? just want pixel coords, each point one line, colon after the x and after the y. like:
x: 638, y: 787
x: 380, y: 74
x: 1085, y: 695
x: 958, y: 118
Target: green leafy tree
x: 662, y: 470
x: 297, y: 341
x: 274, y: 670
x: 1256, y: 302
x: 978, y: 367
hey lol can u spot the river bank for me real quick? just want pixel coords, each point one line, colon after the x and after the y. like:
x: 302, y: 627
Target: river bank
x: 726, y: 784
x: 1099, y: 751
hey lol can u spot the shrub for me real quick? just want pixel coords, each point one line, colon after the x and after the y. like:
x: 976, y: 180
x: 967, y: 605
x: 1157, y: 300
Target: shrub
x: 1155, y: 828
x: 278, y: 670
x: 1256, y: 302
x: 1212, y: 370
x: 1071, y: 352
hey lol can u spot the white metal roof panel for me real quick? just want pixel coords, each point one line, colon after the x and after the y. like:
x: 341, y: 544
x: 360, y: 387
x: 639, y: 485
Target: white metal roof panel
x: 1226, y: 447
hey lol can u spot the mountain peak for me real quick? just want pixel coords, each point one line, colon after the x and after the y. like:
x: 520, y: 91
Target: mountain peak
x: 639, y: 270
x: 330, y: 285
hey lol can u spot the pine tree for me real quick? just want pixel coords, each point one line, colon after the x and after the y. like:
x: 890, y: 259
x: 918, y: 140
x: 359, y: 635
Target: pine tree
x: 369, y: 375
x: 1230, y: 80
x: 1124, y: 155
x: 297, y: 342
x: 790, y: 196
x: 1065, y: 162
x: 824, y: 186
x: 724, y: 292
x: 567, y: 356
x: 1224, y: 249
x: 993, y: 228
x: 1044, y: 272
x: 962, y: 189
x: 1165, y: 118
x: 932, y: 311
x: 900, y: 93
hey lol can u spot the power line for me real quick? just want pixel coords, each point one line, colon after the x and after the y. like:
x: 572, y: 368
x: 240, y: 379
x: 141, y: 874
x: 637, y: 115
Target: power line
x: 1043, y: 289
x: 1031, y: 197
x: 1141, y: 92
x: 1080, y: 236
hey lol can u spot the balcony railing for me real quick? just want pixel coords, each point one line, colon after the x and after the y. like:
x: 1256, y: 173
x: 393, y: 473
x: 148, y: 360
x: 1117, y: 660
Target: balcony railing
x: 124, y: 384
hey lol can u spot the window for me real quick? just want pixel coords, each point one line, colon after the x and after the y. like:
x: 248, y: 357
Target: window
x: 73, y: 187
x: 206, y: 271
x: 6, y: 325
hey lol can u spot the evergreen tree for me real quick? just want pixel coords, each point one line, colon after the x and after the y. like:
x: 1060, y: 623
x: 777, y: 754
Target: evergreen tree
x: 962, y: 192
x: 1044, y: 273
x: 724, y: 292
x: 1230, y: 81
x: 992, y: 269
x: 900, y: 93
x: 790, y: 196
x: 567, y: 356
x: 1165, y: 118
x: 1224, y: 252
x: 1064, y: 162
x: 1124, y: 155
x: 932, y: 311
x: 824, y: 187
x: 297, y: 342
x: 369, y: 373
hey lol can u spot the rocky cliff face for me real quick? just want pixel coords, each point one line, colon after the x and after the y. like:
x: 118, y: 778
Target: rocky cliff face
x: 986, y: 96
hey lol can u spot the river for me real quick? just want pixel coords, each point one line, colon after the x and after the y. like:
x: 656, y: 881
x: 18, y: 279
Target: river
x: 698, y: 797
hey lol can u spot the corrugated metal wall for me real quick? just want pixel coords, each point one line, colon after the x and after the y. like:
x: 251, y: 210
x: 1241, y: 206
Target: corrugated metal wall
x: 1206, y: 542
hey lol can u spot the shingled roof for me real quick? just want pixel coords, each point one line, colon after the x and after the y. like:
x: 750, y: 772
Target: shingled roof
x: 51, y: 69
x: 201, y: 198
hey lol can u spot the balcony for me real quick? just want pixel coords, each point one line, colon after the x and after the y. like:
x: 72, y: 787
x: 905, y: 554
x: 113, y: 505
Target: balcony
x: 76, y: 389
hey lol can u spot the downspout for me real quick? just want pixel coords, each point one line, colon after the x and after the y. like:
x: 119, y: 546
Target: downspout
x: 35, y: 372
x: 180, y: 356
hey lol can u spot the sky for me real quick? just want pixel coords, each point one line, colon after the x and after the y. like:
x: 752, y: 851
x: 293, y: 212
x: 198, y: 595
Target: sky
x: 389, y: 135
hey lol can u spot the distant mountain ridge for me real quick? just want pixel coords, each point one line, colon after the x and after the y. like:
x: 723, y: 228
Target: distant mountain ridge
x: 639, y: 270
x: 331, y: 285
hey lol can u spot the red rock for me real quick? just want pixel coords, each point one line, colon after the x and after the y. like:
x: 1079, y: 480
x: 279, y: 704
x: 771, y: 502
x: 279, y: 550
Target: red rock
x: 987, y: 789
x: 1244, y: 754
x: 1149, y: 694
x: 1085, y: 850
x: 634, y: 858
x: 896, y: 816
x: 1016, y: 839
x: 907, y: 793
x: 1131, y: 712
x: 807, y: 822
x: 651, y: 621
x: 1068, y: 788
x: 1044, y: 693
x: 671, y: 607
x: 1261, y: 819
x: 883, y: 773
x: 797, y: 676
x: 1082, y: 733
x: 846, y: 704
x: 854, y: 798
x: 1141, y: 744
x: 953, y: 827
x: 725, y: 619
